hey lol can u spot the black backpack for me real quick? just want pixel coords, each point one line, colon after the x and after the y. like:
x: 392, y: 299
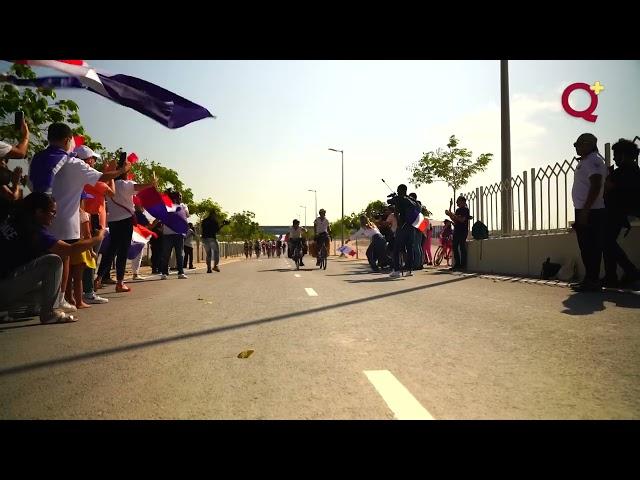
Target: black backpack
x: 549, y: 270
x: 479, y: 231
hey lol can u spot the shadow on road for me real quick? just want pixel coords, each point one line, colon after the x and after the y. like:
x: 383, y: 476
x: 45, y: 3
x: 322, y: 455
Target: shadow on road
x: 186, y: 336
x: 588, y: 303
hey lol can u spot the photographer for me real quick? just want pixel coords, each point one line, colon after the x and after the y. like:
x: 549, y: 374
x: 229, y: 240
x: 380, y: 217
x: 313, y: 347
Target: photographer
x: 10, y: 188
x: 404, y: 205
x: 210, y: 229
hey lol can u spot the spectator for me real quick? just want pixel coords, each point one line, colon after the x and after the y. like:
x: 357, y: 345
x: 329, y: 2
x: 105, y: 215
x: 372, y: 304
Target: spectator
x: 426, y: 245
x: 141, y: 220
x: 377, y: 250
x: 10, y: 188
x: 30, y: 255
x: 53, y: 170
x: 460, y: 233
x: 94, y: 205
x: 210, y: 229
x: 20, y: 150
x: 156, y: 247
x: 120, y: 215
x: 446, y: 240
x: 188, y: 247
x: 588, y: 201
x: 173, y: 240
x: 620, y: 197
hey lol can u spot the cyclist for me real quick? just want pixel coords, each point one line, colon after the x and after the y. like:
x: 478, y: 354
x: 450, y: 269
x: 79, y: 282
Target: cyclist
x: 246, y: 249
x: 256, y: 248
x: 321, y: 232
x: 295, y: 238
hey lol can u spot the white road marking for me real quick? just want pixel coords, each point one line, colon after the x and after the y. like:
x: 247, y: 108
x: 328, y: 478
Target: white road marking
x: 400, y: 401
x: 297, y: 275
x: 311, y: 292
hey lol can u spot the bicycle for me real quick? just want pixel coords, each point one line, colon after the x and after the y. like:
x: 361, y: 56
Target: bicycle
x: 439, y: 256
x: 322, y: 256
x: 297, y: 254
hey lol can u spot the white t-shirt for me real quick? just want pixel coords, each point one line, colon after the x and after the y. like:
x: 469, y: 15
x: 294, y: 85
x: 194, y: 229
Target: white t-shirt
x: 181, y: 210
x: 367, y: 232
x: 125, y: 190
x: 592, y: 164
x: 295, y: 233
x: 321, y: 225
x: 68, y: 184
x: 5, y: 148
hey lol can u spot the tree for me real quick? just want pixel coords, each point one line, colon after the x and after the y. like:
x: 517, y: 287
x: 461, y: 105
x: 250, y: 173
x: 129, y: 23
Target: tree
x: 39, y: 113
x: 375, y: 209
x: 243, y: 227
x: 453, y: 166
x: 144, y: 170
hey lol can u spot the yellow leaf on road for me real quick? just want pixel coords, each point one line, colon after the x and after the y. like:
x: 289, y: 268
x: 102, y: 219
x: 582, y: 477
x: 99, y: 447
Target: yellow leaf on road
x: 245, y: 354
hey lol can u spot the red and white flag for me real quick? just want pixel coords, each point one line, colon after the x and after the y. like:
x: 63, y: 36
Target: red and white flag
x: 420, y: 223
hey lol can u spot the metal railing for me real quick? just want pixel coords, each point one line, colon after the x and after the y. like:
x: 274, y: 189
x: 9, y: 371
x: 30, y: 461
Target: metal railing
x: 539, y: 200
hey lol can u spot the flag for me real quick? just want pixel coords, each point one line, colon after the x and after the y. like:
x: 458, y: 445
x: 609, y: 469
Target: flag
x: 152, y: 201
x: 163, y: 106
x: 139, y: 239
x: 420, y: 222
x: 347, y: 250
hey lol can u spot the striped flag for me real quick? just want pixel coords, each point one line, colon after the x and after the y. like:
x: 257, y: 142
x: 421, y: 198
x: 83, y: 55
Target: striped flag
x: 163, y: 106
x: 420, y: 222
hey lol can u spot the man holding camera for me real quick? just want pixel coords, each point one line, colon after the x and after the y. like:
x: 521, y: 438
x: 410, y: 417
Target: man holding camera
x: 210, y: 229
x: 404, y: 205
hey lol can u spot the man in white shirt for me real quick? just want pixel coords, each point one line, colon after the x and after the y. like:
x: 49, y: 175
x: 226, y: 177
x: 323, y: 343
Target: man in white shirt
x: 588, y: 201
x: 377, y: 250
x: 321, y: 231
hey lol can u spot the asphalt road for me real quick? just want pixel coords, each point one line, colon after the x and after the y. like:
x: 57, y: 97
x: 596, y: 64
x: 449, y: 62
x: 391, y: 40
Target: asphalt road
x: 434, y: 345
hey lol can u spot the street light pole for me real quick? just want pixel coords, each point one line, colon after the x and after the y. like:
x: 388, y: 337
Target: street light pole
x: 315, y: 194
x: 305, y: 215
x: 342, y: 218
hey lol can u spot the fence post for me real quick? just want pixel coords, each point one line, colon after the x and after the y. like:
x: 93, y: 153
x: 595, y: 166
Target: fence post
x: 482, y: 205
x: 526, y: 202
x: 533, y: 199
x: 357, y: 248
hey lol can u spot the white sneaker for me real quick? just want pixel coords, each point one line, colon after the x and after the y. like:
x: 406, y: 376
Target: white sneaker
x: 66, y: 306
x: 163, y: 277
x: 94, y: 299
x: 394, y: 274
x: 139, y: 277
x: 182, y: 275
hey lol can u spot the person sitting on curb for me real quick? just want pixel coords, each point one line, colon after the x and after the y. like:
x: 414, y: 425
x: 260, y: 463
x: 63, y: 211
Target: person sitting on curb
x: 29, y: 255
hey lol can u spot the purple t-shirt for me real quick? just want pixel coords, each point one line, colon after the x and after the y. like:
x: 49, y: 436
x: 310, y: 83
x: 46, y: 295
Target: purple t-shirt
x: 22, y: 243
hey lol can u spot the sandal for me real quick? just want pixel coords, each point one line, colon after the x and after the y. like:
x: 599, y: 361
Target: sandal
x: 58, y: 316
x: 121, y: 287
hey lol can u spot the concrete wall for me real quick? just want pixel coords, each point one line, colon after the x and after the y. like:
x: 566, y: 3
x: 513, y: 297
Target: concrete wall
x: 523, y: 256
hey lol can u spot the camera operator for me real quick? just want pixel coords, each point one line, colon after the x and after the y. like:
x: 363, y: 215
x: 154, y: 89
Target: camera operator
x: 404, y: 235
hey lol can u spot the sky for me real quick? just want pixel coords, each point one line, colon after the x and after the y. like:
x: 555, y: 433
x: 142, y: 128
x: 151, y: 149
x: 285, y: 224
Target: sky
x: 276, y: 120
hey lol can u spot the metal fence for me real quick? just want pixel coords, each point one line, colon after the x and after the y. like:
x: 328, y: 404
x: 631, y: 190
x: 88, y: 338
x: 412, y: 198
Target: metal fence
x: 538, y: 201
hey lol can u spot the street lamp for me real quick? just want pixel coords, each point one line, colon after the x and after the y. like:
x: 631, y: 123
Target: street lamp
x: 315, y: 193
x: 305, y: 215
x: 342, y: 218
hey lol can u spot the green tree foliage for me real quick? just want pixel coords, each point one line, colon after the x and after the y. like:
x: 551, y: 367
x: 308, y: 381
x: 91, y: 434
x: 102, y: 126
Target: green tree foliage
x: 39, y: 109
x: 454, y: 166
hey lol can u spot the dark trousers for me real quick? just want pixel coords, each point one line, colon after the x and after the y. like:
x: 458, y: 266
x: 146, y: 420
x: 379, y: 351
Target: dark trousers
x: 613, y: 254
x: 377, y: 252
x: 460, y: 249
x: 188, y: 257
x: 120, y: 233
x: 156, y: 254
x: 403, y: 244
x: 591, y: 241
x: 176, y: 242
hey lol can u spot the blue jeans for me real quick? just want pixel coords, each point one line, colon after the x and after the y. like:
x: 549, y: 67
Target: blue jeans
x: 175, y: 241
x: 211, y: 247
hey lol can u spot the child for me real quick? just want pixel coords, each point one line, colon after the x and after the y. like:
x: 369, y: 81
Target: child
x: 446, y: 240
x: 79, y: 262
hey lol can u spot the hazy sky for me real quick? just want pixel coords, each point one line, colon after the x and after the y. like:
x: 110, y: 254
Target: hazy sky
x: 276, y: 120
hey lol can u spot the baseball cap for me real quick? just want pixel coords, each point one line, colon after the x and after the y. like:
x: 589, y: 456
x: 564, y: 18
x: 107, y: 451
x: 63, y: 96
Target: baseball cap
x: 83, y: 152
